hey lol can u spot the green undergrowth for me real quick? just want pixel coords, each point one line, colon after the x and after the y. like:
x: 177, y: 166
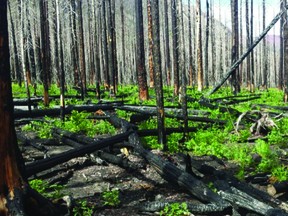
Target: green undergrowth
x: 221, y: 141
x: 51, y: 191
x: 77, y: 122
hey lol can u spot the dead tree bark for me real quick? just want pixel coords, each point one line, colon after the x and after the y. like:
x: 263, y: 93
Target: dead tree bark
x: 200, y: 73
x: 150, y: 39
x: 47, y: 163
x: 252, y: 73
x: 16, y: 197
x: 158, y: 73
x: 235, y: 49
x: 140, y: 52
x: 191, y: 69
x: 175, y: 45
x: 45, y: 49
x: 207, y: 45
x: 167, y: 46
x: 285, y: 57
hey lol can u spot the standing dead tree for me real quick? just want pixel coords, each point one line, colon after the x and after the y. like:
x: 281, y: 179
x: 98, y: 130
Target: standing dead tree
x: 16, y: 197
x: 140, y: 52
x: 158, y: 73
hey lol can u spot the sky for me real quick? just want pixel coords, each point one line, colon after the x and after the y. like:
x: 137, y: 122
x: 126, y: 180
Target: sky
x: 272, y: 9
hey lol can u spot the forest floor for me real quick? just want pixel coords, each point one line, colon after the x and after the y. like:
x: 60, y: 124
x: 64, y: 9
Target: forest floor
x: 243, y: 144
x: 86, y: 178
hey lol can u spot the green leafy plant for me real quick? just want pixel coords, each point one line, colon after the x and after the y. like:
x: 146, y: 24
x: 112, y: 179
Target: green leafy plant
x: 53, y: 191
x: 175, y: 209
x: 280, y: 173
x: 111, y: 197
x: 269, y: 158
x: 77, y: 122
x: 82, y: 209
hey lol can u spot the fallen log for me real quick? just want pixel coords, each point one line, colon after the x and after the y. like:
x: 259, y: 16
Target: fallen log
x: 38, y: 144
x: 56, y: 111
x: 206, y: 103
x: 208, y: 209
x: 245, y: 201
x: 233, y: 97
x: 47, y: 163
x: 240, y: 100
x: 168, y: 110
x: 196, y: 187
x: 119, y: 161
x: 282, y: 108
x: 175, y: 115
x: 168, y: 131
x: 208, y: 170
x: 170, y: 172
x: 25, y: 102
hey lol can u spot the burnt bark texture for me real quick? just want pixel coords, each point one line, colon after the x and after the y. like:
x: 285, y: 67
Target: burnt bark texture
x: 45, y: 49
x: 235, y: 81
x: 285, y: 57
x: 175, y: 45
x: 15, y: 198
x: 158, y: 73
x: 200, y: 76
x: 150, y: 39
x: 140, y: 52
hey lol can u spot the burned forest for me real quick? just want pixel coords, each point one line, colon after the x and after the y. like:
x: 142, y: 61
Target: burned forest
x: 143, y: 107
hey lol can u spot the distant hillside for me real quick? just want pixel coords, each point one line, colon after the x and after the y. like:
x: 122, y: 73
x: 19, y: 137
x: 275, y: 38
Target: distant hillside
x: 270, y: 39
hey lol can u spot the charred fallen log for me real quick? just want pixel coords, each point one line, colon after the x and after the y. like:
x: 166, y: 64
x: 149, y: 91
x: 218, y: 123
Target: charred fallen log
x: 56, y: 111
x: 246, y: 201
x: 168, y: 110
x: 171, y: 173
x: 196, y: 187
x: 153, y: 132
x: 240, y: 100
x: 204, y: 102
x: 233, y: 97
x: 152, y: 112
x: 207, y: 209
x: 282, y: 108
x: 47, y: 163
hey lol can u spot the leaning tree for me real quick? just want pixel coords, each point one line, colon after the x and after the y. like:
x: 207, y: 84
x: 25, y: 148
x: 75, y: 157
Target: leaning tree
x: 16, y: 197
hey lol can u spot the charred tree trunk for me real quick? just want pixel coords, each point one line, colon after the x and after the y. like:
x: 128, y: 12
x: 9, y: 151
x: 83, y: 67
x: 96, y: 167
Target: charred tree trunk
x: 200, y: 76
x: 265, y: 53
x: 105, y: 45
x: 175, y: 36
x: 45, y: 49
x: 285, y: 40
x: 81, y: 48
x: 207, y: 45
x: 15, y: 50
x: 111, y: 46
x: 14, y: 190
x: 235, y: 48
x: 252, y: 79
x: 167, y: 46
x: 248, y: 72
x: 140, y: 52
x: 190, y: 69
x: 281, y: 66
x: 183, y: 77
x: 60, y: 63
x: 123, y: 40
x: 150, y: 58
x: 158, y: 73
